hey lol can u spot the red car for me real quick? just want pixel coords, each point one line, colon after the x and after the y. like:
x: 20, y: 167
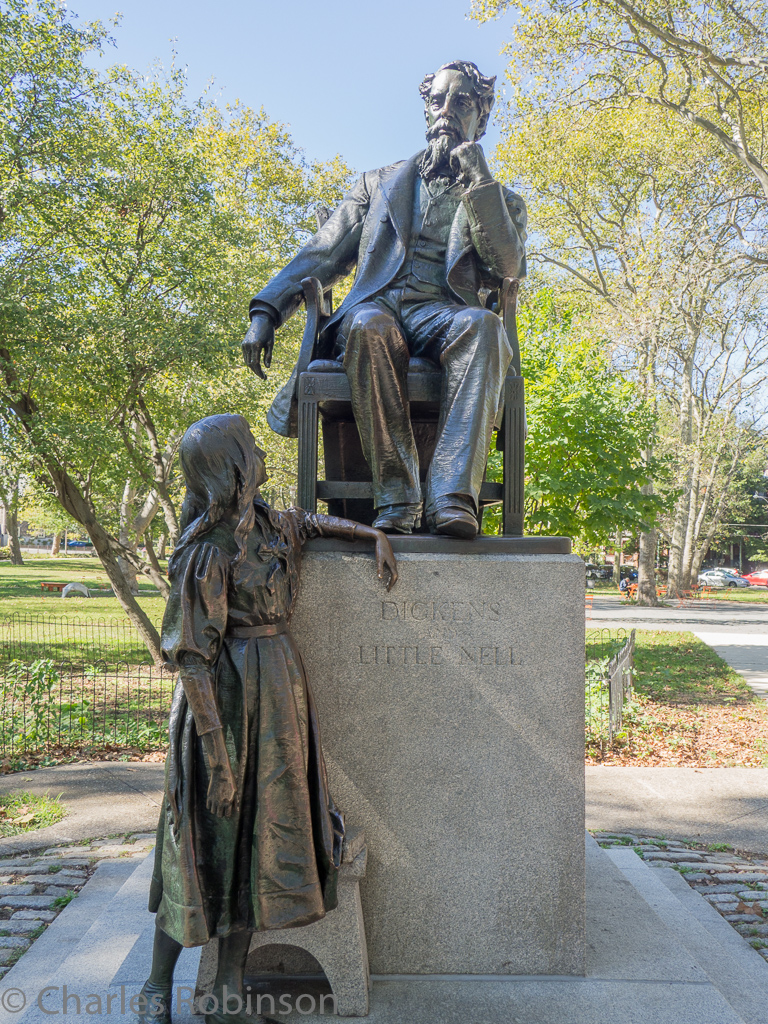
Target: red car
x: 758, y: 578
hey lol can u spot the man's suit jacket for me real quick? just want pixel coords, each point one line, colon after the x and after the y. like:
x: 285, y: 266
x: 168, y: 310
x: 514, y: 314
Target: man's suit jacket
x: 371, y: 229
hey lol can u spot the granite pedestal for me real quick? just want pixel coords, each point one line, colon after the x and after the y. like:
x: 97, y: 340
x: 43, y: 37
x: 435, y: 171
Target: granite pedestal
x: 452, y: 714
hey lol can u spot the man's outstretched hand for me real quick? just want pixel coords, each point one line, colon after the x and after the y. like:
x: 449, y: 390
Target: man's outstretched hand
x: 258, y: 343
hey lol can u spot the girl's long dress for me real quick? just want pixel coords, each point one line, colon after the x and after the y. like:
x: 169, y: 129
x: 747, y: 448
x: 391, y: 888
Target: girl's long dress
x: 273, y: 863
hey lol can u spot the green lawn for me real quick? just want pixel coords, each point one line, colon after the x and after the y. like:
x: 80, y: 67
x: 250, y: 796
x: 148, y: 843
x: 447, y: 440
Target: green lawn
x: 77, y: 629
x: 678, y: 668
x: 689, y: 708
x: 24, y: 812
x: 20, y: 589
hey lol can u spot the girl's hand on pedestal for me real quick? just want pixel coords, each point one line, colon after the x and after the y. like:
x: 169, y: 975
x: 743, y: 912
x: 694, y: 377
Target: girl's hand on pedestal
x: 385, y: 559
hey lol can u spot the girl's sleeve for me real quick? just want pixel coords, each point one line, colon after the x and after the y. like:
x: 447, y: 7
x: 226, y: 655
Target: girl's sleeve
x: 193, y: 629
x: 307, y: 525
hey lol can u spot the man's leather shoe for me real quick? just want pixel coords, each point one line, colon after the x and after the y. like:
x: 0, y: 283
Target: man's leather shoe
x: 398, y: 518
x: 453, y: 518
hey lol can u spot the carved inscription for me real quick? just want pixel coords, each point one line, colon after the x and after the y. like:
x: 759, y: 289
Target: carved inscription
x: 441, y: 633
x: 411, y: 655
x: 436, y: 610
x: 395, y: 654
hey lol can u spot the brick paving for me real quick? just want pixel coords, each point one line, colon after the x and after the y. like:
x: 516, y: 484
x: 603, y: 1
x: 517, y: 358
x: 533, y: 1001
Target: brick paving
x: 35, y: 887
x: 734, y: 883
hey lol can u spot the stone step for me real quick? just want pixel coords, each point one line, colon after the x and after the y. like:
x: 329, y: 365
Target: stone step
x: 651, y: 959
x: 738, y: 972
x: 113, y: 953
x: 63, y: 936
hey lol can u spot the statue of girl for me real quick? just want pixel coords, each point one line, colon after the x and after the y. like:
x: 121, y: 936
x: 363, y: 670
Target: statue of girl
x: 249, y: 838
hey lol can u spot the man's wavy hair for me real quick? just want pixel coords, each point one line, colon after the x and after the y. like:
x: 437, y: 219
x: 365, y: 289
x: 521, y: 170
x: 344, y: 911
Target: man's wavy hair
x: 482, y: 84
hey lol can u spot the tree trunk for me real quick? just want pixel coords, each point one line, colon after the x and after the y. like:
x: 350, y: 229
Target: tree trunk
x: 698, y: 557
x: 169, y: 513
x: 56, y: 543
x: 126, y: 508
x: 690, y: 531
x: 12, y: 521
x: 161, y: 546
x: 76, y: 506
x: 617, y: 559
x: 151, y: 553
x: 147, y: 569
x: 646, y: 570
x: 677, y: 582
x: 676, y: 543
x: 125, y: 596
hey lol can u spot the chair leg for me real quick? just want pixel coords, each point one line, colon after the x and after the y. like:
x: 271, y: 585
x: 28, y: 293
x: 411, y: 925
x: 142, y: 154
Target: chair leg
x: 307, y: 427
x: 514, y: 457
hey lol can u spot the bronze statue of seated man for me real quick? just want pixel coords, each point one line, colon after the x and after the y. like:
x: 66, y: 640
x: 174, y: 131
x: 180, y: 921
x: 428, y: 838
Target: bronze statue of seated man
x: 427, y: 235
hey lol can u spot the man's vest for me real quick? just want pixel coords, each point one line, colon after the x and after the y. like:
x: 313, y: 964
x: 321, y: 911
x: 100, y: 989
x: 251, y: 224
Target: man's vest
x: 423, y: 275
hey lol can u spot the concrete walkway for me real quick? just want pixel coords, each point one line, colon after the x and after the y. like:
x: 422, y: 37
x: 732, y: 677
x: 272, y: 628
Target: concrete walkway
x: 747, y: 653
x: 656, y: 952
x: 709, y: 805
x: 102, y: 799
x: 727, y: 805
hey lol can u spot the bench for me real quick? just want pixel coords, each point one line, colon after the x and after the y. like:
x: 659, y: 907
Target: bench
x: 52, y: 587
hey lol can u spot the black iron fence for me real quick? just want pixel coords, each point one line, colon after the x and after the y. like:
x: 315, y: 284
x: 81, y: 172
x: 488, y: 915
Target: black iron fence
x: 49, y: 707
x: 609, y: 671
x: 28, y: 638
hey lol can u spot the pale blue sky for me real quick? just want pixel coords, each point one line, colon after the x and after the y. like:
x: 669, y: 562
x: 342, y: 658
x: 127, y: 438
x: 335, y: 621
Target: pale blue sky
x: 343, y: 75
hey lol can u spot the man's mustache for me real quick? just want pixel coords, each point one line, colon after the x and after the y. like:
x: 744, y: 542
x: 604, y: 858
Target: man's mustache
x: 444, y: 126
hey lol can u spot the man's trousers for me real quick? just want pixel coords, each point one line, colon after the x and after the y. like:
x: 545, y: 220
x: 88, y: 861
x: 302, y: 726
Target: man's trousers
x: 376, y: 339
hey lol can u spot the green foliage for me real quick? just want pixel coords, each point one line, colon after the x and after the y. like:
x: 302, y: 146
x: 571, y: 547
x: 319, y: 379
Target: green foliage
x: 588, y: 432
x: 63, y: 901
x: 27, y: 697
x: 702, y: 62
x: 134, y: 228
x: 172, y: 217
x: 642, y: 220
x: 39, y: 711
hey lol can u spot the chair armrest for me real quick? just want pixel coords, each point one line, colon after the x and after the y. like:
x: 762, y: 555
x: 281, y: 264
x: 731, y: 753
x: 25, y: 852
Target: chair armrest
x: 508, y: 313
x: 317, y: 312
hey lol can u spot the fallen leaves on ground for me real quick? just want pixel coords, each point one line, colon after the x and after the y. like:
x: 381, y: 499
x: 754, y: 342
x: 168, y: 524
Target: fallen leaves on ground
x: 692, y: 736
x: 688, y: 709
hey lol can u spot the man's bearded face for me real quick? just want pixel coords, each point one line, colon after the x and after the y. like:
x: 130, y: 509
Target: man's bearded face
x: 453, y: 114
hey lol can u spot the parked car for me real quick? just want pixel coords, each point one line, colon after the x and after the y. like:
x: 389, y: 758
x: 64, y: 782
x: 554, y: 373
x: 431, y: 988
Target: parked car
x: 719, y: 578
x: 80, y: 544
x: 598, y: 572
x: 629, y: 572
x: 759, y: 578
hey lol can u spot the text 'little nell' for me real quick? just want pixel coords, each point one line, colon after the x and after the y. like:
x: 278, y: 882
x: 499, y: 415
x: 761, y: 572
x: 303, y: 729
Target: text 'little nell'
x: 428, y: 654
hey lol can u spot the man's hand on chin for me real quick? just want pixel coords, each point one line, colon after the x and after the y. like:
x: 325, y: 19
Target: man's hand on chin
x: 468, y: 160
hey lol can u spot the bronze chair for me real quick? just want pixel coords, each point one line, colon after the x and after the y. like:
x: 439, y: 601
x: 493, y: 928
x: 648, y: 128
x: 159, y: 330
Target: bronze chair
x: 323, y: 394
